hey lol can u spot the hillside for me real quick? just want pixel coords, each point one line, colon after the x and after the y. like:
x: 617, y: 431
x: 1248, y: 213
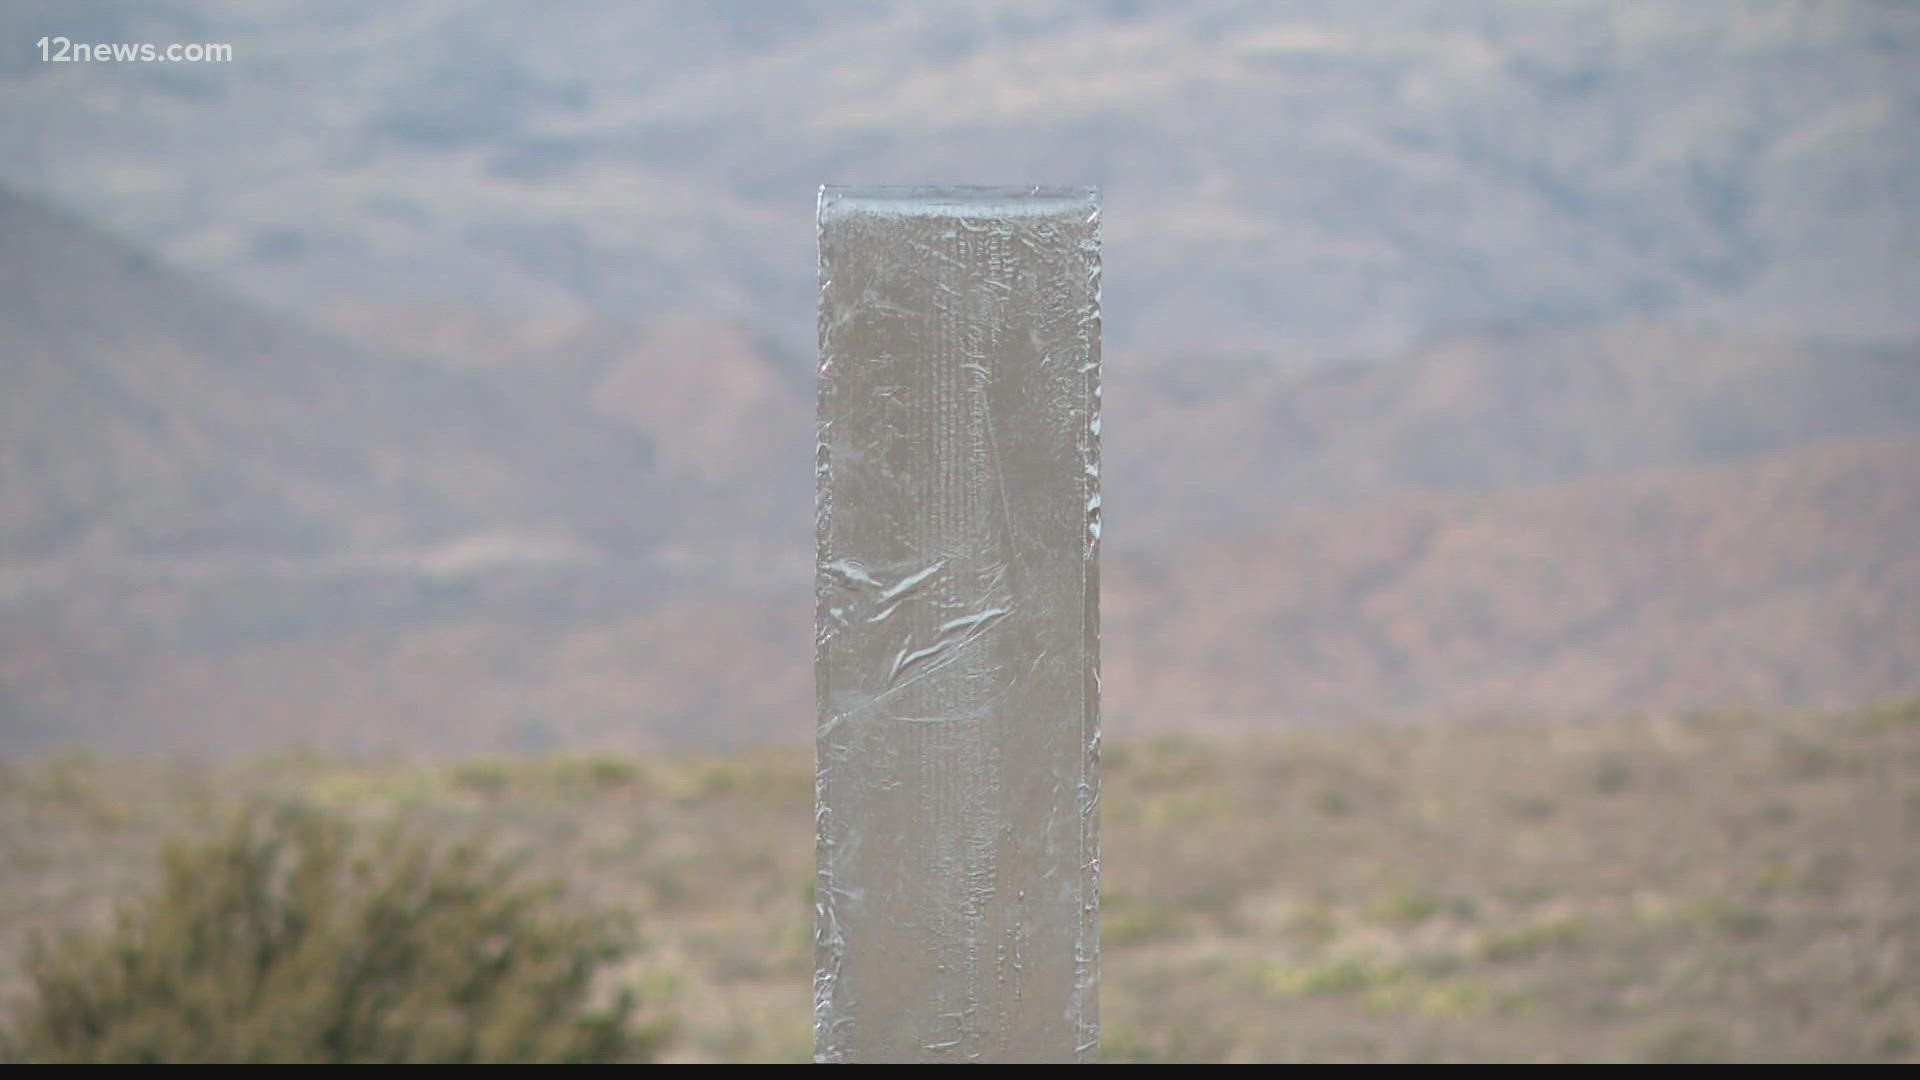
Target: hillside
x: 1310, y: 178
x: 182, y: 474
x: 1206, y: 438
x: 1785, y: 579
x: 150, y: 416
x: 1721, y: 887
x: 423, y: 530
x: 1210, y: 440
x: 1789, y: 580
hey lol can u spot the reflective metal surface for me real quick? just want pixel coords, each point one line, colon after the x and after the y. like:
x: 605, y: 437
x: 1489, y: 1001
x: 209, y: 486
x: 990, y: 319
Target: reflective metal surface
x: 958, y: 625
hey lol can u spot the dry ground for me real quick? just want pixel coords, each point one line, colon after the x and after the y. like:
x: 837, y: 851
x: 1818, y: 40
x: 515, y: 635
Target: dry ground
x: 1722, y: 886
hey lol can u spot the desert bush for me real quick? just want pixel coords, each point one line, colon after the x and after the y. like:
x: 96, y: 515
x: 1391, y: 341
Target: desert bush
x: 299, y: 938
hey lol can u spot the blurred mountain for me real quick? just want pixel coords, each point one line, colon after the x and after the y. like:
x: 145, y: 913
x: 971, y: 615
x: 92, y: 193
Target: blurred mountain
x: 425, y: 530
x: 184, y: 478
x: 1305, y: 179
x: 148, y: 416
x: 1221, y: 438
x: 1786, y: 579
x: 727, y: 414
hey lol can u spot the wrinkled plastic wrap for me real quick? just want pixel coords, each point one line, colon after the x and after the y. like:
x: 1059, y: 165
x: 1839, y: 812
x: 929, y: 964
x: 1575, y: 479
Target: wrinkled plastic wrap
x: 958, y: 625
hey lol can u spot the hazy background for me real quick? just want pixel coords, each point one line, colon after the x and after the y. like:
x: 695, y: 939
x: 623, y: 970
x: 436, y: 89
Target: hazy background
x: 412, y: 420
x: 437, y: 377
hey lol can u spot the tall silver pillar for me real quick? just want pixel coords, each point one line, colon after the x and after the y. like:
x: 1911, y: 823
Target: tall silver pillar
x: 957, y: 641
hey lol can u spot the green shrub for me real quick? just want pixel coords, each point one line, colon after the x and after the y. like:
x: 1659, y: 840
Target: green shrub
x: 297, y: 939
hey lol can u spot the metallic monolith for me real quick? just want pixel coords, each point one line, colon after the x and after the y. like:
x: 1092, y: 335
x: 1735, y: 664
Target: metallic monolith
x: 957, y: 635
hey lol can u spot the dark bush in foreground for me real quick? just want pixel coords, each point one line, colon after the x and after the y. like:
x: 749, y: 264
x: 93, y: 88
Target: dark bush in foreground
x: 296, y: 940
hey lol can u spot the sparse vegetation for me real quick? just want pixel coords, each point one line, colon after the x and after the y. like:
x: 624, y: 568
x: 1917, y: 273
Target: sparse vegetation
x: 1713, y: 887
x: 1553, y: 933
x: 294, y: 940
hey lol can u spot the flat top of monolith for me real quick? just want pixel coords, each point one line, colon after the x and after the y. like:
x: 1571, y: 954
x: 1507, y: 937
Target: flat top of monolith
x: 956, y: 201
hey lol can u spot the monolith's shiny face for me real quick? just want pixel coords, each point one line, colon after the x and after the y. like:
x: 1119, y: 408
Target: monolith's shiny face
x: 958, y: 625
